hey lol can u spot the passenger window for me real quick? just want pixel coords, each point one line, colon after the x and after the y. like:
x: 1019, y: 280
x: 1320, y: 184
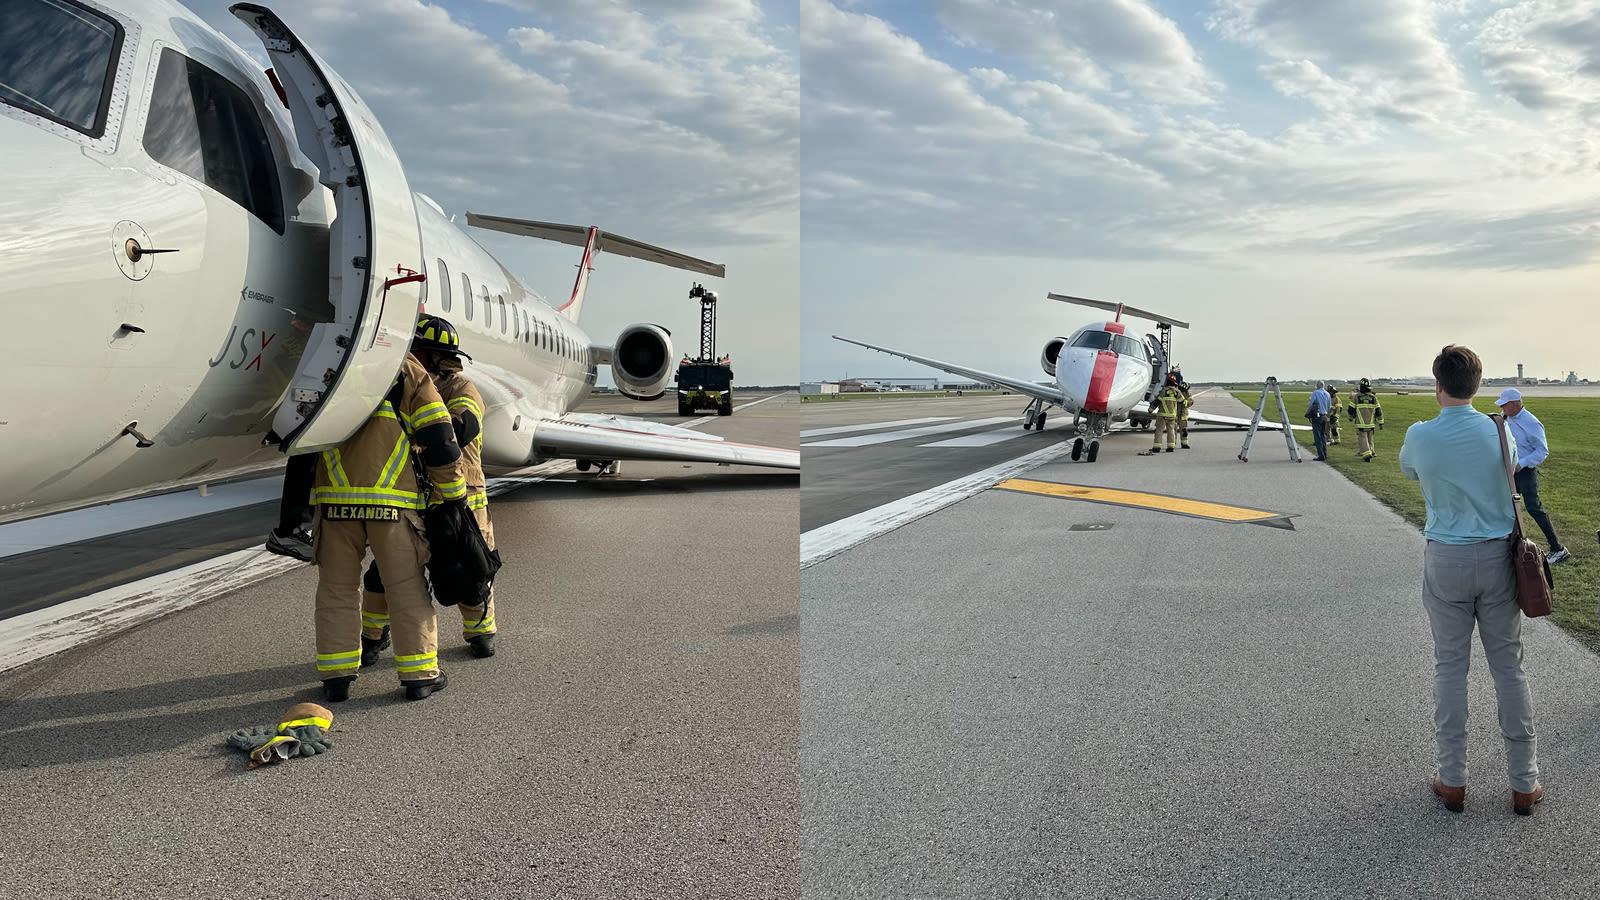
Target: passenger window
x: 466, y: 294
x: 444, y: 284
x: 500, y: 298
x: 483, y: 297
x: 58, y: 60
x: 206, y: 127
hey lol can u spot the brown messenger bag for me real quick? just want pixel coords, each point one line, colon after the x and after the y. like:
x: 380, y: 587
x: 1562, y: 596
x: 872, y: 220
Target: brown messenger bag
x: 1527, y: 560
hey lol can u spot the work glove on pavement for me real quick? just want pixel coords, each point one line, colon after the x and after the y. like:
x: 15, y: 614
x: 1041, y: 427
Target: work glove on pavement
x: 248, y: 739
x: 311, y: 738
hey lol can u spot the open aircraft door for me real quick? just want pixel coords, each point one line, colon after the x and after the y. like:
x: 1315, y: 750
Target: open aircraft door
x: 374, y: 248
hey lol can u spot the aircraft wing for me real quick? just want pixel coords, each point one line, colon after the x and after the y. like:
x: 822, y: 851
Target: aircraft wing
x: 1046, y: 392
x: 606, y: 437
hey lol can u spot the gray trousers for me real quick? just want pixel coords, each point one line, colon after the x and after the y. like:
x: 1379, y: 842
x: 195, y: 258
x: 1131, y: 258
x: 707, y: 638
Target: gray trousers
x: 1463, y: 584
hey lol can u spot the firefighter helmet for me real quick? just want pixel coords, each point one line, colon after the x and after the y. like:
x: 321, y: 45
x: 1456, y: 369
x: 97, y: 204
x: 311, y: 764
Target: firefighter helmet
x: 438, y: 335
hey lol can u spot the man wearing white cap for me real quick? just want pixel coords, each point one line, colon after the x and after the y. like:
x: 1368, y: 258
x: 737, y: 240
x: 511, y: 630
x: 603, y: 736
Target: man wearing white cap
x: 1531, y: 451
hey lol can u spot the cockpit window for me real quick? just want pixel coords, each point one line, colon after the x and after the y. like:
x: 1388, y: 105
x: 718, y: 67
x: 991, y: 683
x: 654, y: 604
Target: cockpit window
x: 1120, y: 344
x: 206, y: 127
x: 1094, y: 340
x: 58, y: 60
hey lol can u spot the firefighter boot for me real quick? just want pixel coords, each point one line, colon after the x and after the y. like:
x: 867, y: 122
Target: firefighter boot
x: 419, y: 690
x: 481, y: 645
x: 372, y: 647
x: 337, y: 690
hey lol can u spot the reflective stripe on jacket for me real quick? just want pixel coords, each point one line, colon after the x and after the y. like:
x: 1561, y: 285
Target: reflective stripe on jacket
x: 373, y: 469
x: 461, y: 398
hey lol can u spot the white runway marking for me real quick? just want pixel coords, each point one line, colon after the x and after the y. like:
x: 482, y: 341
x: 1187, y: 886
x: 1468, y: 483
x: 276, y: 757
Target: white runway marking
x: 984, y: 439
x: 105, y: 519
x: 827, y: 541
x: 845, y: 429
x: 886, y: 437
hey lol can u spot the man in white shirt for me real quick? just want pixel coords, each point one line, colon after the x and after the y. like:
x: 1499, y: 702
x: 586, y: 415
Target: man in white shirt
x: 1532, y: 450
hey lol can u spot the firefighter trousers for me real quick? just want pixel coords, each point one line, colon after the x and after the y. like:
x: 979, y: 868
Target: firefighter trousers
x: 338, y: 550
x: 1166, y: 429
x: 475, y: 620
x: 1364, y: 440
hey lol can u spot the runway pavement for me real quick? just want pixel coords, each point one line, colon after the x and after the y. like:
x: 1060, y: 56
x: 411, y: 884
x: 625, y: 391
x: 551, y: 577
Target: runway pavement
x: 635, y: 735
x: 1029, y: 696
x: 857, y: 455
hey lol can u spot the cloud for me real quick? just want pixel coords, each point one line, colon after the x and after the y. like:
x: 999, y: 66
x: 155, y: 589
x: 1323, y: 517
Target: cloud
x: 1387, y: 52
x: 1086, y: 43
x: 655, y: 139
x: 1360, y: 117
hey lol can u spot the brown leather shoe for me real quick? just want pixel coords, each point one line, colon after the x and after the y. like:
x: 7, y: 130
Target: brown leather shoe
x: 1454, y: 797
x: 1524, y: 802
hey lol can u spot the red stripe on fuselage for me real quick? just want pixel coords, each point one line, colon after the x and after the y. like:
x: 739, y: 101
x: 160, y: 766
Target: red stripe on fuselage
x: 1105, y: 371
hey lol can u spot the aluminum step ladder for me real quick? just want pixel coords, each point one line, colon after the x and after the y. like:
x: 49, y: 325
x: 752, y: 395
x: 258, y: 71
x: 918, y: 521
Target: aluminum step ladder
x: 1255, y: 422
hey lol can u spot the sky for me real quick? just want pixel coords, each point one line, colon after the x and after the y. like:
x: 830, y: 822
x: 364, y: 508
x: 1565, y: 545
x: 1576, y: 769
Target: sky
x: 1321, y: 189
x: 674, y: 122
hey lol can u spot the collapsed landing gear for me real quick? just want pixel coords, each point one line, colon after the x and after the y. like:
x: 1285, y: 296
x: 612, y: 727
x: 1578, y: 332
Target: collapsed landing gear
x: 602, y: 467
x: 1033, y: 416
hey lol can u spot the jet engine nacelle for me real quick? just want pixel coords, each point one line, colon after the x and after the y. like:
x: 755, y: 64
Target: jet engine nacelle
x: 1052, y: 351
x: 641, y: 361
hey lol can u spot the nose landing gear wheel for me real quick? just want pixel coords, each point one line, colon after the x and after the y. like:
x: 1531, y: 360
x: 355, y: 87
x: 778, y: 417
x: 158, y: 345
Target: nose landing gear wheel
x: 1077, y: 449
x: 1094, y: 450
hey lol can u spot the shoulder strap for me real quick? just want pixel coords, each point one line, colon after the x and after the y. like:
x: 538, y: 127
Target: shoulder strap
x: 1511, y: 479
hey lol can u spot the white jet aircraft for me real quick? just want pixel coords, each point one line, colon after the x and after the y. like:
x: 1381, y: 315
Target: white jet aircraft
x: 1102, y: 376
x: 208, y: 265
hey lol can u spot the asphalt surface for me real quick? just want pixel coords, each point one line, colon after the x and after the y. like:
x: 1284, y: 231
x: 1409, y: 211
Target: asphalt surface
x: 837, y: 482
x: 994, y: 705
x: 635, y: 735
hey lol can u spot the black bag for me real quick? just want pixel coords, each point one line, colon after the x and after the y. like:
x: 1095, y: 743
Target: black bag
x: 461, y: 567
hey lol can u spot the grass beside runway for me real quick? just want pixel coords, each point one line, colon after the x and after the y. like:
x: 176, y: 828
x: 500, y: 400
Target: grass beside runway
x: 1568, y: 483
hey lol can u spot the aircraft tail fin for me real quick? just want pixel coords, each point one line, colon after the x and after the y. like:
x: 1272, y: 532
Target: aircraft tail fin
x: 1119, y: 308
x: 593, y: 241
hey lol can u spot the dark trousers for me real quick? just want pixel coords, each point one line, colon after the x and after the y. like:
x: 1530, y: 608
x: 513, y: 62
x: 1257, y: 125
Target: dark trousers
x: 1528, y: 487
x: 1319, y: 434
x: 294, y: 508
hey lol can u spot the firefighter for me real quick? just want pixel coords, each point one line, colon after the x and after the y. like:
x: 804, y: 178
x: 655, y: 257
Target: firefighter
x: 1333, y: 420
x: 1367, y: 414
x: 437, y: 345
x: 1166, y: 406
x: 367, y: 495
x: 1183, y: 411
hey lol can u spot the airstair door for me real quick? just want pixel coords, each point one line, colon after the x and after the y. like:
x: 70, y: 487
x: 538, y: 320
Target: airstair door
x: 374, y: 248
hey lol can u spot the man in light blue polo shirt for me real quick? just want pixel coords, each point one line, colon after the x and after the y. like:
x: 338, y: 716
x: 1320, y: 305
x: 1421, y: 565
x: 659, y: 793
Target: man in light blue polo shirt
x: 1467, y: 577
x: 1529, y: 432
x: 1317, y: 412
